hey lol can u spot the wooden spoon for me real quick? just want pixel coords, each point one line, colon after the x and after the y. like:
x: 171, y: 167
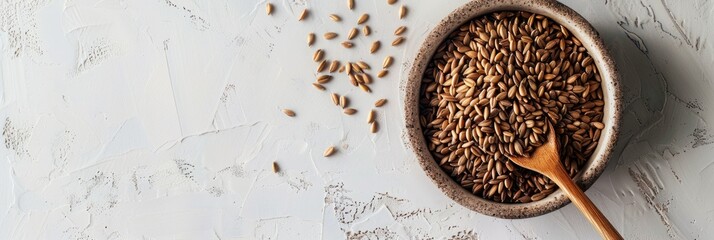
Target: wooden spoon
x: 546, y: 160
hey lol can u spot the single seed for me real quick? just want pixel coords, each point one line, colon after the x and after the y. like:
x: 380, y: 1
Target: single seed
x: 382, y: 73
x: 402, y: 12
x: 329, y: 151
x: 318, y: 86
x: 318, y: 55
x: 397, y: 41
x: 288, y: 112
x: 365, y: 88
x: 390, y: 2
x: 375, y: 127
x: 335, y: 98
x: 303, y: 14
x: 380, y: 102
x: 321, y: 67
x: 344, y: 101
x: 276, y: 168
x: 322, y: 79
x: 348, y: 68
x: 352, y: 34
x: 370, y: 116
x: 335, y: 18
x: 400, y: 30
x: 350, y: 111
x: 363, y: 18
x: 334, y: 66
x: 310, y: 39
x: 350, y: 4
x: 330, y: 35
x: 363, y: 65
x: 366, y: 30
x: 387, y: 61
x: 269, y: 8
x: 375, y: 47
x: 347, y: 44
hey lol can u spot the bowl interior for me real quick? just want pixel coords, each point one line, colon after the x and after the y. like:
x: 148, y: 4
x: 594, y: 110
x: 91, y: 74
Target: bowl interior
x: 579, y: 27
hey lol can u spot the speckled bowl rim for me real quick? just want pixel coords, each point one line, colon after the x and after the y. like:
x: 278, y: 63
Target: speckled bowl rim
x: 414, y: 140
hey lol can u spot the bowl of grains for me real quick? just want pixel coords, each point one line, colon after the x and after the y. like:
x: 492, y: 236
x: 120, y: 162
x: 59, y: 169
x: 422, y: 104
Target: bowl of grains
x: 486, y: 83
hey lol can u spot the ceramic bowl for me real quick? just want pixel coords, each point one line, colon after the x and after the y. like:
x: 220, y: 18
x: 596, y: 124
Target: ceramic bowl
x: 578, y: 26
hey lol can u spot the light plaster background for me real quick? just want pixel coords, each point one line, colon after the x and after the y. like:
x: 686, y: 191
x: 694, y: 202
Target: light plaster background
x: 159, y: 119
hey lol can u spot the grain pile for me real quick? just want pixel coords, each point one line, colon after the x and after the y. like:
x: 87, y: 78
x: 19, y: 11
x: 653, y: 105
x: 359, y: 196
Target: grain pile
x: 490, y: 91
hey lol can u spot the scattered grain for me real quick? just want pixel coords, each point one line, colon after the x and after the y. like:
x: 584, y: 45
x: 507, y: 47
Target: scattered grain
x: 363, y: 18
x: 303, y: 14
x: 288, y: 112
x: 329, y: 151
x: 310, y: 39
x: 387, y: 61
x: 375, y: 46
x: 269, y: 8
x: 400, y: 30
x: 402, y: 12
x: 330, y: 35
x: 397, y: 41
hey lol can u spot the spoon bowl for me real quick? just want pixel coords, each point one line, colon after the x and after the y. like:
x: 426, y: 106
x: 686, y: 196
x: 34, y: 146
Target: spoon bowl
x: 546, y: 160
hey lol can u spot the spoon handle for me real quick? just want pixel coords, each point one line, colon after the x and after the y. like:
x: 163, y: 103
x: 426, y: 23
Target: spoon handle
x: 591, y: 212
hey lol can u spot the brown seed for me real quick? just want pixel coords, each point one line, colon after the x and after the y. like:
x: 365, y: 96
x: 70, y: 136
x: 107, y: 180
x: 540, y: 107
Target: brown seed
x: 400, y: 30
x: 344, y: 101
x: 318, y: 86
x: 350, y: 4
x: 269, y: 8
x: 348, y: 68
x: 352, y: 34
x: 334, y: 66
x: 330, y: 35
x: 375, y: 127
x: 329, y: 151
x: 382, y: 73
x: 310, y: 39
x: 350, y: 111
x: 363, y: 18
x: 387, y: 61
x: 276, y: 168
x: 363, y: 65
x: 303, y: 14
x: 347, y: 44
x: 335, y: 17
x: 321, y: 67
x: 370, y: 116
x: 390, y: 2
x: 335, y: 98
x: 288, y: 112
x: 318, y: 55
x: 375, y: 46
x: 366, y: 30
x: 402, y: 12
x: 322, y: 79
x: 380, y: 102
x: 397, y: 41
x: 365, y: 88
x: 597, y: 125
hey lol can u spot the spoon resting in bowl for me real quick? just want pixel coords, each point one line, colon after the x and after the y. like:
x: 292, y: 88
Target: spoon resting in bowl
x: 546, y: 160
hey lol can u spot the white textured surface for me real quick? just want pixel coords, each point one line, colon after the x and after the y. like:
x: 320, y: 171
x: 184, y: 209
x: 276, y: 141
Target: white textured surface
x: 159, y: 119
